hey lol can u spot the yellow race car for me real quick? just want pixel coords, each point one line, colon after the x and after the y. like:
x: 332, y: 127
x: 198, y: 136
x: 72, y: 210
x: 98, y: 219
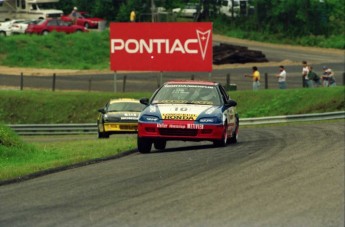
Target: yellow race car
x: 119, y: 116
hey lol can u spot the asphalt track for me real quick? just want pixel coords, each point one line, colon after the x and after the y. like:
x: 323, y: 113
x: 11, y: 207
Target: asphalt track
x: 275, y: 176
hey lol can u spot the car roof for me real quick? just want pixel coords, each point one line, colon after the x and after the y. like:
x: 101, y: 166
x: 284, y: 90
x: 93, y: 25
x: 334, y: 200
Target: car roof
x: 192, y: 82
x: 124, y: 100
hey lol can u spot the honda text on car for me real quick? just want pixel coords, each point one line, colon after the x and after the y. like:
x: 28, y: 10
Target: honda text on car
x: 187, y: 111
x: 118, y: 116
x: 49, y: 25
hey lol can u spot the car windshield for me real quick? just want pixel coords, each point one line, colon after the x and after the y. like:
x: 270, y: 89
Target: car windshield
x: 187, y: 94
x: 41, y: 22
x: 85, y: 15
x: 125, y: 106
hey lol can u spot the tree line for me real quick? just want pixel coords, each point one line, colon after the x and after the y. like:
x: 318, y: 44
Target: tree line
x: 286, y: 17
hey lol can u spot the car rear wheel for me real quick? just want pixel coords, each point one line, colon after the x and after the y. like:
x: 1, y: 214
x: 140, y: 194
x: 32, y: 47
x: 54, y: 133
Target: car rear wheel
x: 45, y: 32
x: 160, y: 144
x: 2, y: 33
x: 86, y: 25
x: 222, y: 142
x: 144, y: 145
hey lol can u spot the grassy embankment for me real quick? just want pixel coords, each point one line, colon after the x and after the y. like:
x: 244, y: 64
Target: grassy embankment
x: 91, y: 50
x: 19, y: 158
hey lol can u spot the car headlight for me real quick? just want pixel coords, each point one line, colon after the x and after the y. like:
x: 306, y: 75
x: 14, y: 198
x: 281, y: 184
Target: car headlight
x: 149, y: 118
x: 209, y: 120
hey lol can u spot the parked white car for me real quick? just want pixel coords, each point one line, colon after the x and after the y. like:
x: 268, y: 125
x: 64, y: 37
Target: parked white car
x: 190, y: 10
x: 5, y: 27
x: 19, y: 26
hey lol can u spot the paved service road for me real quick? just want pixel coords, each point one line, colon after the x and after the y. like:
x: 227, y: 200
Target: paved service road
x: 275, y: 176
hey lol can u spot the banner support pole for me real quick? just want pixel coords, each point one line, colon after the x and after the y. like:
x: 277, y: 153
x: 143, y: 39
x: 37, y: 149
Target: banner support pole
x: 115, y: 81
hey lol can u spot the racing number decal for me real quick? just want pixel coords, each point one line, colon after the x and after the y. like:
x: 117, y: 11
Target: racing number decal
x: 181, y: 109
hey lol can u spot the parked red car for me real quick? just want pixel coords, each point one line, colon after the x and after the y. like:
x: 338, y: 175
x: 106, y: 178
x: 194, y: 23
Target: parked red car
x: 49, y: 25
x: 84, y: 19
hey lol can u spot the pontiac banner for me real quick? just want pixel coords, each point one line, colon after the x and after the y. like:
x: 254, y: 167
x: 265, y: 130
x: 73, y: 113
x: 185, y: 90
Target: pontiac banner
x: 161, y: 46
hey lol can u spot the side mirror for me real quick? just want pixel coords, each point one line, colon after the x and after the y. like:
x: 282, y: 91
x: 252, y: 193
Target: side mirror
x: 231, y: 103
x: 102, y: 110
x: 144, y: 101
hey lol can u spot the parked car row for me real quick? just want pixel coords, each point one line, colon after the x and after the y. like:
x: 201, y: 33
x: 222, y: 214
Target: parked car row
x: 40, y: 27
x: 66, y: 24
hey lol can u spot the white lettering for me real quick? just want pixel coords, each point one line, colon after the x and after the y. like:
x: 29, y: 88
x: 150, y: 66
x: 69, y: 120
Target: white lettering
x: 115, y: 47
x: 133, y: 46
x: 177, y: 46
x: 186, y: 46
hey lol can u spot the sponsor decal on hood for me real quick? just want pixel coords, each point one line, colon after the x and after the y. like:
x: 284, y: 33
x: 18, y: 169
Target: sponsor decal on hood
x: 183, y: 112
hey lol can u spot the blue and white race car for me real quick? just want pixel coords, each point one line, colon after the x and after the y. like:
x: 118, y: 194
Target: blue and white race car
x: 188, y: 111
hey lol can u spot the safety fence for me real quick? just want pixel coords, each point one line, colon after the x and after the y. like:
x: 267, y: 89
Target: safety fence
x: 91, y: 128
x: 141, y: 82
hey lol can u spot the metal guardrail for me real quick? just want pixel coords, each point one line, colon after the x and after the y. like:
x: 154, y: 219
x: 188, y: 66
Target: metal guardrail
x: 293, y: 118
x: 91, y: 128
x: 54, y: 129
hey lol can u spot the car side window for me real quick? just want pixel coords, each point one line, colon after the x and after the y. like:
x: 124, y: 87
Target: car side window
x: 224, y: 94
x: 52, y: 23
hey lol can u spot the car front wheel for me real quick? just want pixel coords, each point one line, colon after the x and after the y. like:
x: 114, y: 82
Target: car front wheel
x: 160, y: 144
x: 224, y: 140
x: 234, y: 136
x: 144, y: 145
x: 101, y: 135
x: 45, y: 32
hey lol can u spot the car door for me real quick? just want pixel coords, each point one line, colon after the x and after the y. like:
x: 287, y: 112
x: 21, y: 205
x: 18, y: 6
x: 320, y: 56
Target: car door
x: 53, y: 25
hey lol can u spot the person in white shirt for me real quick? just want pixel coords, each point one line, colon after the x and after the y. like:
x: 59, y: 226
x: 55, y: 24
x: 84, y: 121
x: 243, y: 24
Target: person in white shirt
x: 305, y: 71
x: 281, y: 77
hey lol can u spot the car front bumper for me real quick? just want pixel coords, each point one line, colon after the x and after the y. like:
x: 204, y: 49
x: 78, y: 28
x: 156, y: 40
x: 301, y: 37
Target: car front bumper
x: 120, y: 127
x: 187, y: 131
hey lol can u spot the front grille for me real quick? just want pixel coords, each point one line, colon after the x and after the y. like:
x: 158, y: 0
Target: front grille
x: 177, y: 132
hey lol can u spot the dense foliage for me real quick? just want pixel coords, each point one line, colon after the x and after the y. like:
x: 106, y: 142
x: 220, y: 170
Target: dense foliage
x: 288, y: 18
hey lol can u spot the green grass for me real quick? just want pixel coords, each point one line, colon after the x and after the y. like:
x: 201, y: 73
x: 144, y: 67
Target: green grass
x: 92, y: 50
x: 57, y: 51
x: 19, y: 158
x: 81, y: 107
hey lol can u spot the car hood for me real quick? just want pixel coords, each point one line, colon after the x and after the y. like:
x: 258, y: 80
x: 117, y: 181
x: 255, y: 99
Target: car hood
x: 181, y: 111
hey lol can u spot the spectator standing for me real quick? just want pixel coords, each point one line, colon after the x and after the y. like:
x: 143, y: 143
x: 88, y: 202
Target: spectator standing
x: 328, y: 79
x: 74, y: 14
x: 305, y: 71
x: 256, y: 78
x: 313, y: 78
x: 132, y: 16
x: 281, y: 77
